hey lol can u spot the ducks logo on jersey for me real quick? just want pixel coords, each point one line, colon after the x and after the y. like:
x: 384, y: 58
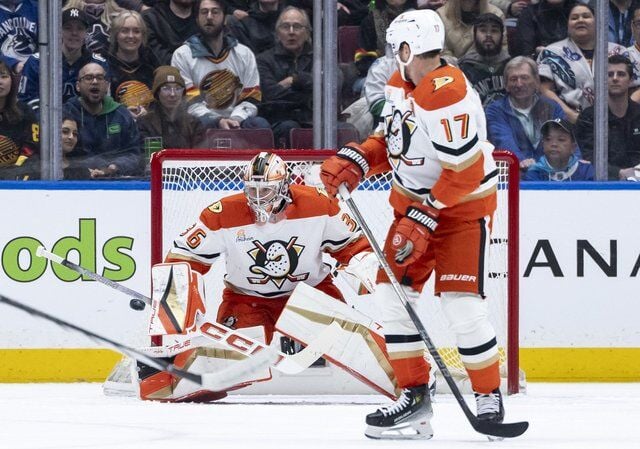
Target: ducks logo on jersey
x: 399, y: 127
x: 276, y: 261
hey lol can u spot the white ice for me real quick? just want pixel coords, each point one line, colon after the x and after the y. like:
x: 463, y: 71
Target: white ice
x: 70, y: 416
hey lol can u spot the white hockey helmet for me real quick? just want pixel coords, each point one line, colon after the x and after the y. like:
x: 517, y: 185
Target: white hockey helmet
x: 422, y: 30
x: 266, y: 186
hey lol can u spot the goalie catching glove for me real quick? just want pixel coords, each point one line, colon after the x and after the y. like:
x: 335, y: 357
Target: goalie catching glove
x: 413, y: 233
x: 348, y: 166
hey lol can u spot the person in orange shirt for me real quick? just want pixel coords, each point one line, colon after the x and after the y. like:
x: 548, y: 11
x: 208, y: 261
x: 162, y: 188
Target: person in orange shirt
x: 432, y: 136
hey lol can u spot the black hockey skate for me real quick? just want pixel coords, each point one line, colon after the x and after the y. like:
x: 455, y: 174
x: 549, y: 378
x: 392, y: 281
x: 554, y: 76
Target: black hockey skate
x: 407, y: 418
x: 490, y: 406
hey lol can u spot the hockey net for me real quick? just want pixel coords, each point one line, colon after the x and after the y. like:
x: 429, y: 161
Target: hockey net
x: 183, y: 182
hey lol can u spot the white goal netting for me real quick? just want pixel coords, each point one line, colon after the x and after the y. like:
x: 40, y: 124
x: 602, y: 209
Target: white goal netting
x: 186, y: 181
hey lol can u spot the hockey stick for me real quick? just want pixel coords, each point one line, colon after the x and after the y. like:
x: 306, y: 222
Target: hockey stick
x: 137, y: 303
x: 508, y: 430
x: 287, y: 364
x: 220, y: 381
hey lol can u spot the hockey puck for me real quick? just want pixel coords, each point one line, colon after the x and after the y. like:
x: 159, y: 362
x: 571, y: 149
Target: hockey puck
x: 137, y: 304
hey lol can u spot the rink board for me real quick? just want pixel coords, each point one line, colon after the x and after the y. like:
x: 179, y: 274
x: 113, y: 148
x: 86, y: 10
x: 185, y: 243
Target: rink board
x: 579, y: 263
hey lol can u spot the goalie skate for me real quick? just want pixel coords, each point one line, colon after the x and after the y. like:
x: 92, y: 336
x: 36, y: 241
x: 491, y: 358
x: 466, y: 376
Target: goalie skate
x: 406, y: 419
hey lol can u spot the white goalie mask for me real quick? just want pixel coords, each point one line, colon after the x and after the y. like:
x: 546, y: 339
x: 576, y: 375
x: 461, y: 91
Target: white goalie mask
x: 266, y: 186
x: 422, y: 30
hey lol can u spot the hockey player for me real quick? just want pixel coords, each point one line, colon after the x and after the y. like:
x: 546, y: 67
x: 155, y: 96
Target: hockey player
x: 432, y: 137
x: 273, y: 236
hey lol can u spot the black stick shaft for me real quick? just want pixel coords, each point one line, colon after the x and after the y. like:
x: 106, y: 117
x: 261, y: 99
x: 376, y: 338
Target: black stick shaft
x: 159, y: 364
x: 91, y: 275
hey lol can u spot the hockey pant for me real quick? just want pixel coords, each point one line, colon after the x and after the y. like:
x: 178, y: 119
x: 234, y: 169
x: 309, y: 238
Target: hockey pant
x: 458, y: 252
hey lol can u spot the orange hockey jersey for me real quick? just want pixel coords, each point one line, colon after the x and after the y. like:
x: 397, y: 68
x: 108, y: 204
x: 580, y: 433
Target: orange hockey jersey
x: 268, y: 260
x: 433, y: 137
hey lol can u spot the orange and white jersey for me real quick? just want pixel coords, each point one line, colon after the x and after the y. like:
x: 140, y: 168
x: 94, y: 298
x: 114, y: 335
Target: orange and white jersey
x: 433, y: 137
x: 268, y: 260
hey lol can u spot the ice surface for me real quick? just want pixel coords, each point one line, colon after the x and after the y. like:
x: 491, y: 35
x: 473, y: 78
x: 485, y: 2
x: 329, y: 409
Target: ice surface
x: 70, y: 416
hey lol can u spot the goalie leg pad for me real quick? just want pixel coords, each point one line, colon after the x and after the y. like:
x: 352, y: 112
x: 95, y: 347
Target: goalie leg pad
x: 405, y: 346
x: 177, y: 298
x: 359, y: 350
x: 468, y: 318
x: 162, y: 386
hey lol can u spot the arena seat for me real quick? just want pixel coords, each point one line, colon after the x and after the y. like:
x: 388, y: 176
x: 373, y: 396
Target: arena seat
x: 261, y: 138
x: 302, y: 138
x: 347, y: 42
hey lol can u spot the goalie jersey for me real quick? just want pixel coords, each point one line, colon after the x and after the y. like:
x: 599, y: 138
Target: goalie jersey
x: 270, y: 259
x: 433, y: 138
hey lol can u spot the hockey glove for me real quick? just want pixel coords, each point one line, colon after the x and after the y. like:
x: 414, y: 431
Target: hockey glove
x: 348, y: 167
x: 413, y: 232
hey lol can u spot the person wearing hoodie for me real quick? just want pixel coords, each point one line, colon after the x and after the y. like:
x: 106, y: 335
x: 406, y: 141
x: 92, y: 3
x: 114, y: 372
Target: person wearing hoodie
x: 170, y: 23
x: 458, y: 17
x: 484, y: 63
x: 220, y: 74
x: 560, y: 161
x: 107, y: 131
x: 539, y: 25
x: 256, y: 31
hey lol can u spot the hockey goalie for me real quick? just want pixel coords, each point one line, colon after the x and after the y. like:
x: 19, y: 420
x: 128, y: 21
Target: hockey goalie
x: 273, y: 236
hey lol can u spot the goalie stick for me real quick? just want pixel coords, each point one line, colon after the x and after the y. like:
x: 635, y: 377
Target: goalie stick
x: 505, y: 430
x: 137, y: 303
x: 219, y: 381
x: 287, y: 364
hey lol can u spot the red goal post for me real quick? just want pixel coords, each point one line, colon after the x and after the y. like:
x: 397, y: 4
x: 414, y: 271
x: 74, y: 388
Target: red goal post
x: 183, y: 182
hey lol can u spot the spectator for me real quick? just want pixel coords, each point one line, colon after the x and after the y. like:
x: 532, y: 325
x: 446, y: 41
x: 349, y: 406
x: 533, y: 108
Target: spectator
x: 239, y: 9
x: 256, y: 31
x: 108, y: 133
x: 170, y: 23
x: 74, y: 56
x: 18, y: 31
x: 374, y: 27
x: 566, y: 66
x: 100, y: 14
x: 514, y: 121
x: 484, y: 63
x: 220, y: 74
x: 539, y: 25
x: 634, y: 51
x: 73, y: 158
x: 458, y: 17
x: 168, y: 118
x: 131, y: 63
x: 624, y: 124
x: 511, y: 8
x: 560, y: 161
x: 620, y: 18
x: 19, y: 130
x: 430, y: 4
x: 286, y: 75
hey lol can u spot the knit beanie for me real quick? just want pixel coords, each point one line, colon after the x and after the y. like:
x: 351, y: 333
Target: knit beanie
x: 166, y: 74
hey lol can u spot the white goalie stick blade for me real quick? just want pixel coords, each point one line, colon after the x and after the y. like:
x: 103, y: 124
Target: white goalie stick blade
x: 294, y: 364
x: 230, y: 377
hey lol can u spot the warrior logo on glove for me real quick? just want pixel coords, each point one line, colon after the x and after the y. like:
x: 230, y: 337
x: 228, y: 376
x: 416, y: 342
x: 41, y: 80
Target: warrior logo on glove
x: 276, y: 261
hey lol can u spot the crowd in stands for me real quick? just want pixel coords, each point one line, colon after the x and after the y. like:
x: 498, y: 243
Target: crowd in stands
x: 142, y: 75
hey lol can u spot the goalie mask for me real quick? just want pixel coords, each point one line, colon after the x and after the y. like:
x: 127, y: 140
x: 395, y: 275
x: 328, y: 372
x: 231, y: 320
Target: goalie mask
x: 422, y: 30
x: 266, y: 186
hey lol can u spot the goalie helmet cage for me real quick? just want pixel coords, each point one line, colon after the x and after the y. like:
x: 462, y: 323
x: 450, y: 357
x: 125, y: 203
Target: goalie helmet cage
x: 184, y: 182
